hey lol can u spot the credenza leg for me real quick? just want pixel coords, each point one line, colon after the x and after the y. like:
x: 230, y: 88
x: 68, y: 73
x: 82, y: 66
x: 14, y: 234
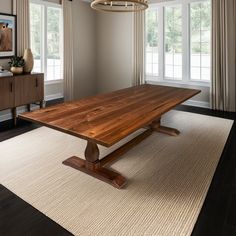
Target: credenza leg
x: 156, y: 126
x: 41, y: 104
x: 92, y: 166
x: 14, y: 116
x: 28, y: 107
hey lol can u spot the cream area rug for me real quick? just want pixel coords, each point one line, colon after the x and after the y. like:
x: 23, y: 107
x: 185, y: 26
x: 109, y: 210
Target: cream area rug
x: 168, y: 178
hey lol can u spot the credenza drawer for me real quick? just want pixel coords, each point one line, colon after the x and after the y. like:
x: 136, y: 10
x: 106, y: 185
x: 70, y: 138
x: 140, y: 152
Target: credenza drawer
x: 20, y: 90
x: 29, y: 89
x: 6, y: 92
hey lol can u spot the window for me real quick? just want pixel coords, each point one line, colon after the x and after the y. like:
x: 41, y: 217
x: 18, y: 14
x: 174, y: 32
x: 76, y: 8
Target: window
x: 152, y: 43
x: 36, y: 35
x: 178, y: 42
x: 46, y: 38
x: 200, y: 41
x: 173, y: 42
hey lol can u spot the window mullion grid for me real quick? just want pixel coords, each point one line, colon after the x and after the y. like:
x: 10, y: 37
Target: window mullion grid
x: 161, y: 42
x: 152, y: 63
x: 45, y: 41
x: 200, y: 41
x: 42, y: 39
x: 185, y: 43
x: 62, y: 45
x: 44, y: 34
x: 173, y: 53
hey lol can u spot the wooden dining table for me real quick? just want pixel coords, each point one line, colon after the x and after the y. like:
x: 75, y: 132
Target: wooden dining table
x: 106, y: 119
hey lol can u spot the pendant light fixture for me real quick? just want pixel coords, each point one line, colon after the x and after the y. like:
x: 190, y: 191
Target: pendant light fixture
x: 119, y: 5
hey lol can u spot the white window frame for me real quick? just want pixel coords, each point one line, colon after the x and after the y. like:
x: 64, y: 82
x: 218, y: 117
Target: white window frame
x: 45, y: 4
x: 186, y: 41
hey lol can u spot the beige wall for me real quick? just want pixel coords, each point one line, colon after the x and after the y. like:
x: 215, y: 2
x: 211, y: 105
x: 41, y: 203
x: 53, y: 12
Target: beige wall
x: 114, y: 51
x: 114, y: 54
x: 6, y: 6
x: 84, y: 49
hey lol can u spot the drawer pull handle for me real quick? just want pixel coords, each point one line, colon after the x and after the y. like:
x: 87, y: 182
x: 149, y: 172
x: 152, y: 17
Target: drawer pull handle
x: 11, y: 87
x: 37, y: 82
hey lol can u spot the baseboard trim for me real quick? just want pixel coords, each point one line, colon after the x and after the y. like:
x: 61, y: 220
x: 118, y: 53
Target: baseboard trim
x: 54, y: 96
x: 197, y: 103
x: 5, y: 117
x: 8, y: 115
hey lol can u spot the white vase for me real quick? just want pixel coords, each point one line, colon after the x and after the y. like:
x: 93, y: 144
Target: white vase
x: 29, y: 61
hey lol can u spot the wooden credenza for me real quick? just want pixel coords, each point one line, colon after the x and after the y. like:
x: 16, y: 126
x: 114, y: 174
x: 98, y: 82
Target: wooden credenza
x: 20, y: 90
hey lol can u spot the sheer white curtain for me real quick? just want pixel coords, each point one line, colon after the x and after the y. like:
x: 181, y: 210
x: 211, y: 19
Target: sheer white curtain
x: 223, y: 55
x: 21, y: 9
x: 68, y: 51
x: 139, y: 50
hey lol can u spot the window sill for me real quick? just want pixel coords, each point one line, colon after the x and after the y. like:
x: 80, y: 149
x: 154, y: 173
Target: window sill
x: 59, y: 81
x: 155, y: 80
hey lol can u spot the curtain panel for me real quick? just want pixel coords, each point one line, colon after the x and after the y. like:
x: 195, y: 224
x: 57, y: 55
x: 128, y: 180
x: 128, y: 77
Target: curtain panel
x: 139, y: 48
x: 223, y: 55
x: 68, y: 51
x: 21, y: 9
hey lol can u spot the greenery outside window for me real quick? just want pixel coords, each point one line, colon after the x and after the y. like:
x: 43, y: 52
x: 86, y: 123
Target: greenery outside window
x: 47, y: 38
x: 178, y: 42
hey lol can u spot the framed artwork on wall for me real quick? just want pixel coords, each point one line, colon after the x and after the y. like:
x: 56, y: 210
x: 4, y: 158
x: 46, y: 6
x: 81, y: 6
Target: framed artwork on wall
x: 8, y: 34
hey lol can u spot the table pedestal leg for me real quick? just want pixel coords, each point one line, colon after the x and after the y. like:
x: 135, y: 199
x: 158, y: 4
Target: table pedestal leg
x: 156, y: 126
x: 92, y: 166
x: 98, y: 168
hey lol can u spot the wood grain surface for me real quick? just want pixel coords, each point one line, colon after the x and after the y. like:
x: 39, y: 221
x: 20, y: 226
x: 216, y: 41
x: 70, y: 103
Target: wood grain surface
x: 107, y: 118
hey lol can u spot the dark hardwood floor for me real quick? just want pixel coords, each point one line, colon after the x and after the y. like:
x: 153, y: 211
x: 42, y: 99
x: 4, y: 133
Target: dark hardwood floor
x: 19, y: 218
x: 217, y: 217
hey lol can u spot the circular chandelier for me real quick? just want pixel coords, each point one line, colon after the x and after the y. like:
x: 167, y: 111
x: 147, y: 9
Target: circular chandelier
x: 119, y: 5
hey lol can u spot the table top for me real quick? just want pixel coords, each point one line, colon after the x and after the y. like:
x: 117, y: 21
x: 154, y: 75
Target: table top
x: 107, y: 118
